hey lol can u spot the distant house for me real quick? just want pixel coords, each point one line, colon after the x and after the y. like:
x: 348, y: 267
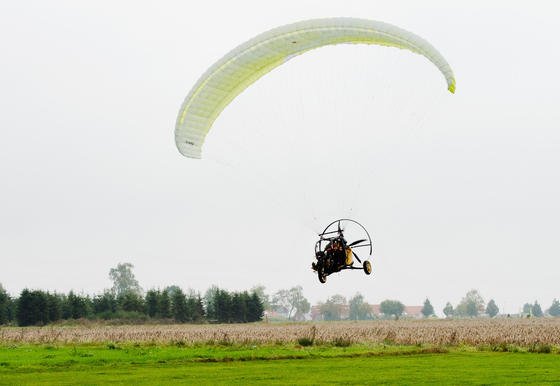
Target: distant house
x: 413, y: 311
x: 343, y: 309
x: 409, y: 312
x: 273, y: 315
x: 316, y: 313
x: 375, y: 309
x: 270, y: 315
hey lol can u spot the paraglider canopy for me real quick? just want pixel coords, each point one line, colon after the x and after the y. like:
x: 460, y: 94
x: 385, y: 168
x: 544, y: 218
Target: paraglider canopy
x: 245, y: 64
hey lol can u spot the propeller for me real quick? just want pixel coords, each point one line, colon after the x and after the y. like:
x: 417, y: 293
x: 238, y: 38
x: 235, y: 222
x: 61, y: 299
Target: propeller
x: 356, y: 242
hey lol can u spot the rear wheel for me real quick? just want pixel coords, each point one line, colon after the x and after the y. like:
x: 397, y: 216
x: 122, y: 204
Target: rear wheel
x: 367, y: 267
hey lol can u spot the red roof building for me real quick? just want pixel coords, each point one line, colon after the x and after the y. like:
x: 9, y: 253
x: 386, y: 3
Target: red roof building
x: 409, y: 312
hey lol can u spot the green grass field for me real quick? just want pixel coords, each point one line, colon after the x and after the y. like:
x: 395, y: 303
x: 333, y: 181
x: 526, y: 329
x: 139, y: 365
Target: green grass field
x: 272, y: 364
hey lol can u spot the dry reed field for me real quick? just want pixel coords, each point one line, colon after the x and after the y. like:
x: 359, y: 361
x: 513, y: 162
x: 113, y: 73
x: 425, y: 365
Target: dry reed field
x: 522, y: 332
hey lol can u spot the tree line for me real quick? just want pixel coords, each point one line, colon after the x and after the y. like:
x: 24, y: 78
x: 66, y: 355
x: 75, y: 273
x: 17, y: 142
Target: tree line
x: 126, y: 300
x: 356, y: 308
x: 37, y: 307
x: 472, y: 304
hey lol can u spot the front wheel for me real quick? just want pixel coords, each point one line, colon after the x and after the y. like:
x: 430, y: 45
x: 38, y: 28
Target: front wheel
x: 367, y: 267
x: 321, y: 275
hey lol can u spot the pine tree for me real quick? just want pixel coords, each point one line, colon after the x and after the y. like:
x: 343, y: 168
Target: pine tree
x: 238, y: 308
x: 255, y: 308
x: 427, y: 309
x: 179, y: 306
x: 554, y: 309
x: 537, y: 310
x: 4, y: 306
x: 152, y: 303
x: 105, y: 305
x: 54, y: 307
x: 131, y: 302
x: 76, y: 306
x: 40, y: 307
x: 492, y: 309
x: 24, y: 312
x: 222, y: 304
x: 198, y: 309
x: 32, y: 308
x: 164, y: 305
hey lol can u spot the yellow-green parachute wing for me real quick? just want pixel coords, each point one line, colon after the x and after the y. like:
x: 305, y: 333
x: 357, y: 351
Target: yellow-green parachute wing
x: 242, y: 66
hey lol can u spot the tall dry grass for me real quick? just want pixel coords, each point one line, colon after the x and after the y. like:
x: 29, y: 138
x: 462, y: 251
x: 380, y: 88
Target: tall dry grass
x: 521, y: 332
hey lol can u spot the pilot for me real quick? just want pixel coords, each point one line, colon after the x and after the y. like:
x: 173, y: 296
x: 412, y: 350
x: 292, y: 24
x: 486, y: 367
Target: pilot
x: 338, y: 252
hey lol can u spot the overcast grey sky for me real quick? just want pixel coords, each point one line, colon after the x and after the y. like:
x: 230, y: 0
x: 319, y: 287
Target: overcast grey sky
x: 458, y: 191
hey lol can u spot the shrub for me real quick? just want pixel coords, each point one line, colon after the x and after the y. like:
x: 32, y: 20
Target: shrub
x: 342, y: 341
x: 540, y: 348
x: 305, y: 341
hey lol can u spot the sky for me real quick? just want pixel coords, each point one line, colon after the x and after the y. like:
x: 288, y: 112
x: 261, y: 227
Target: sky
x: 458, y: 191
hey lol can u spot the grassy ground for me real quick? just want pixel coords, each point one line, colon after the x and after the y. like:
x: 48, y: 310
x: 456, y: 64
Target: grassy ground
x: 276, y: 364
